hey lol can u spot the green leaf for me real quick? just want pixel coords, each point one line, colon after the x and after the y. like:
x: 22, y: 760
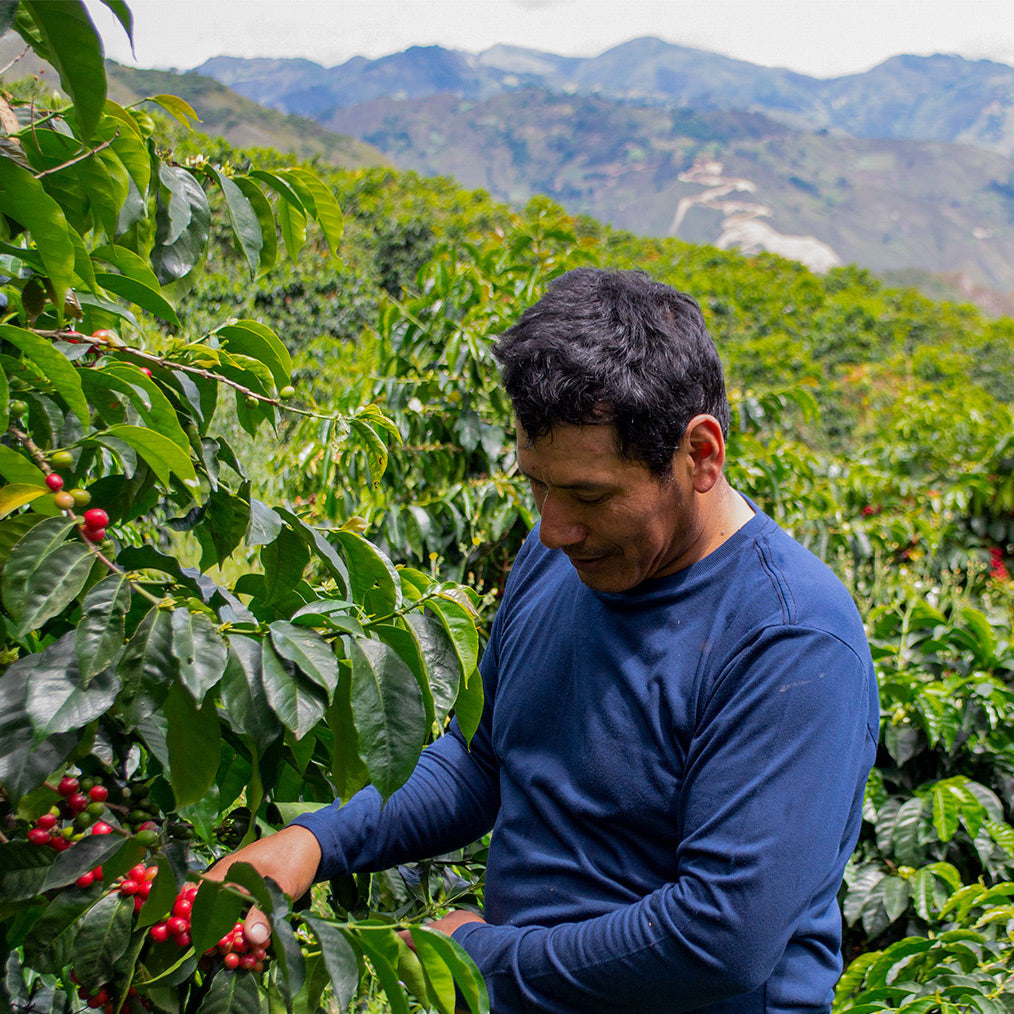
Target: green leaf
x: 292, y: 223
x: 265, y: 217
x: 459, y: 623
x: 311, y: 654
x: 24, y: 764
x: 138, y: 293
x: 389, y: 713
x: 385, y: 961
x: 403, y: 641
x: 17, y: 495
x: 75, y: 50
x: 200, y: 651
x: 49, y: 943
x: 177, y: 108
x: 53, y: 364
x: 320, y: 547
x: 146, y: 396
x: 57, y: 699
x: 231, y: 992
x: 319, y: 201
x: 298, y: 703
x: 264, y: 526
x: 216, y: 910
x: 348, y: 771
x: 23, y: 870
x: 16, y: 468
x: 28, y: 554
x: 99, y: 635
x: 256, y: 340
x: 103, y: 938
x: 243, y: 219
x: 182, y: 225
x: 244, y: 698
x: 468, y: 707
x: 55, y: 582
x: 340, y: 958
x: 458, y: 962
x: 946, y: 811
x: 443, y: 666
x: 161, y: 454
x: 147, y: 665
x: 373, y: 577
x: 92, y: 851
x: 194, y: 742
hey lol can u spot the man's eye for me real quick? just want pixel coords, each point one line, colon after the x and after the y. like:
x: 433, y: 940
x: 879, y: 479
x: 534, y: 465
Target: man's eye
x: 589, y: 501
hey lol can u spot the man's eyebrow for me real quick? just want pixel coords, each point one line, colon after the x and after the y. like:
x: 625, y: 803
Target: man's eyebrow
x: 587, y: 487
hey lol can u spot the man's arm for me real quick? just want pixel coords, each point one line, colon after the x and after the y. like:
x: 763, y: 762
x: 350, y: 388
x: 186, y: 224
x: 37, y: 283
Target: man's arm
x: 450, y: 800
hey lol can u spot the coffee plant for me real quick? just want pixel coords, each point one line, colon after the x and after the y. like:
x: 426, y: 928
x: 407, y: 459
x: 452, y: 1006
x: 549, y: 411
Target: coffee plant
x: 186, y: 665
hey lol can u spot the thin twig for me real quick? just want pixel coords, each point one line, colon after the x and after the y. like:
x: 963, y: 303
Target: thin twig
x: 20, y: 56
x: 79, y: 158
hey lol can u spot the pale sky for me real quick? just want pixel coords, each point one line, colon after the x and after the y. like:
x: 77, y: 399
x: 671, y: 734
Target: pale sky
x: 822, y: 38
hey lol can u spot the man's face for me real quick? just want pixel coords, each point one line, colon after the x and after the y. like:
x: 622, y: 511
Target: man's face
x: 616, y: 522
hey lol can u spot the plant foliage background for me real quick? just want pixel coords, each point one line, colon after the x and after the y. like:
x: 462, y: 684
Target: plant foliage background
x: 273, y: 380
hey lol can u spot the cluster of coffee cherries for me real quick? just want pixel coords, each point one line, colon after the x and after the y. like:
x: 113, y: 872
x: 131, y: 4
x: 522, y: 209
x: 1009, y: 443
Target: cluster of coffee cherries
x: 96, y: 519
x: 238, y: 952
x: 104, y: 998
x: 177, y: 926
x: 234, y: 948
x: 135, y: 884
x: 80, y: 809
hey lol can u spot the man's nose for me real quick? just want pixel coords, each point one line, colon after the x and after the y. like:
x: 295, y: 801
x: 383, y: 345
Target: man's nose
x: 558, y: 529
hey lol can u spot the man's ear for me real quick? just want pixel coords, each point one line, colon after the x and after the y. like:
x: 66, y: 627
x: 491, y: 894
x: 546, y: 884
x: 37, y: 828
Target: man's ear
x: 705, y: 444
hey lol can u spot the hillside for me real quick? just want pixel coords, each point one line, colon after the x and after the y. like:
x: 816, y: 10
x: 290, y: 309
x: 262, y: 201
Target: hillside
x: 727, y: 179
x: 223, y: 112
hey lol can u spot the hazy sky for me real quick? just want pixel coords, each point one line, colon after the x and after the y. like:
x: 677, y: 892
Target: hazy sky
x: 822, y: 38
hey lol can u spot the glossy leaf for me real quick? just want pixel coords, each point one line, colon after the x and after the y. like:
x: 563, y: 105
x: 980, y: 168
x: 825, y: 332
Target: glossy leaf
x: 54, y: 366
x: 311, y: 654
x: 243, y: 694
x: 297, y: 702
x: 15, y: 495
x: 243, y: 219
x: 194, y: 743
x: 75, y: 50
x: 162, y: 455
x: 137, y: 292
x: 230, y: 993
x: 373, y: 577
x: 58, y: 699
x: 389, y: 713
x: 433, y: 945
x: 254, y: 339
x: 340, y: 959
x: 200, y: 651
x: 103, y: 937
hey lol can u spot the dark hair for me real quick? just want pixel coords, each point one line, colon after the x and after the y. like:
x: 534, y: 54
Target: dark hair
x: 614, y: 347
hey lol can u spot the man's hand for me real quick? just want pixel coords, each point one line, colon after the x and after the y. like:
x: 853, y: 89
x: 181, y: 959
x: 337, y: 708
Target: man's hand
x: 289, y: 857
x: 446, y: 925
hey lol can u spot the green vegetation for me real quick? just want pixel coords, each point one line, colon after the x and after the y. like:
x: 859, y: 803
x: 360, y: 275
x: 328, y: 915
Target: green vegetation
x: 255, y: 600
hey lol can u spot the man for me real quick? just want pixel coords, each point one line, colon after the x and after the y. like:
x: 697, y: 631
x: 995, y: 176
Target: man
x: 681, y: 708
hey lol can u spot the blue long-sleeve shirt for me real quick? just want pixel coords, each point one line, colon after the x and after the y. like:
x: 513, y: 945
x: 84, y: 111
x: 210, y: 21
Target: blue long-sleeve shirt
x: 674, y: 779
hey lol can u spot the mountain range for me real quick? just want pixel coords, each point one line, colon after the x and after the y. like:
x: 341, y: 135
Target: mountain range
x: 907, y: 169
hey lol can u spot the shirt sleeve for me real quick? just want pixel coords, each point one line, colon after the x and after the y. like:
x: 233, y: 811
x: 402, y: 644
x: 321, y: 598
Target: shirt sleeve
x: 769, y: 812
x: 450, y: 800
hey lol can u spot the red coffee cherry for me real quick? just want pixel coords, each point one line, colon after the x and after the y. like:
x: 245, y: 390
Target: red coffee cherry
x: 96, y: 518
x: 54, y: 482
x: 68, y: 786
x: 98, y: 793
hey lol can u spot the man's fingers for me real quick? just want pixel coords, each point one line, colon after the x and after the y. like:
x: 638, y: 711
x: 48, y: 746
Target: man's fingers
x: 256, y: 928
